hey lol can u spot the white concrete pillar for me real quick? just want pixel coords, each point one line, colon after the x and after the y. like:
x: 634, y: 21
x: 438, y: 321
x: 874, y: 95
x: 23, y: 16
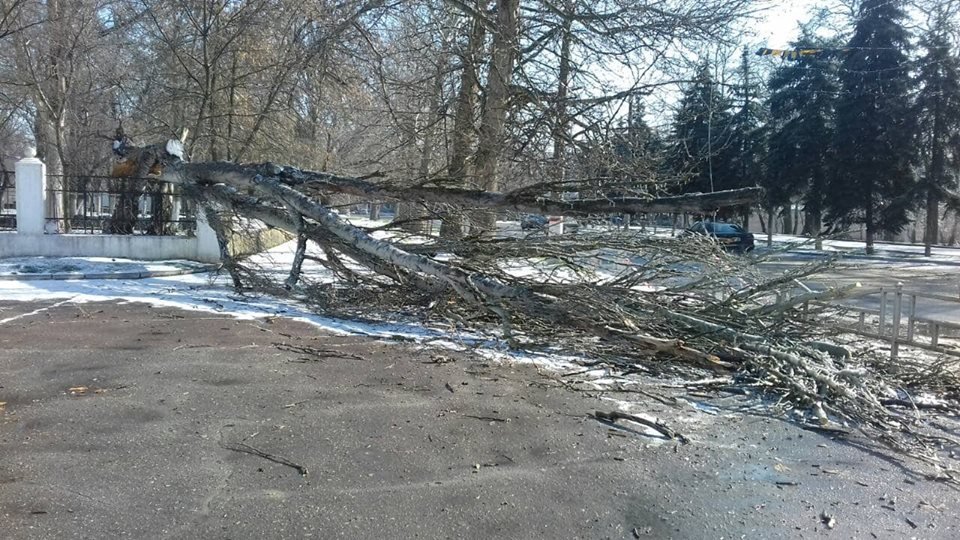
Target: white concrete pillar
x: 554, y: 225
x: 175, y: 213
x: 31, y: 182
x: 208, y: 248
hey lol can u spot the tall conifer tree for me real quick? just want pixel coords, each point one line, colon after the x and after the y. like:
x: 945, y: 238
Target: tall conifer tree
x: 802, y: 100
x: 702, y: 136
x: 938, y: 109
x: 873, y: 180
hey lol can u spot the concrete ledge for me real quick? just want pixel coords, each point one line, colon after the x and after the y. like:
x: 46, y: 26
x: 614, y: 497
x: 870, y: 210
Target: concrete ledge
x: 112, y: 275
x: 25, y: 277
x: 139, y: 247
x: 64, y: 276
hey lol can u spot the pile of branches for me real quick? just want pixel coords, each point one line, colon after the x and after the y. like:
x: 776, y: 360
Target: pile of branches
x: 633, y: 300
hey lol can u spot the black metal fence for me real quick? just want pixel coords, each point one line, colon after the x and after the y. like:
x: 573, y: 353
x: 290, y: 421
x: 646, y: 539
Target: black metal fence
x: 107, y: 205
x: 8, y: 201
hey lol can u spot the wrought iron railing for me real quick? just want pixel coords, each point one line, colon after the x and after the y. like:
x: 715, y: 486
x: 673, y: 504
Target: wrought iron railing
x: 8, y: 201
x: 106, y: 205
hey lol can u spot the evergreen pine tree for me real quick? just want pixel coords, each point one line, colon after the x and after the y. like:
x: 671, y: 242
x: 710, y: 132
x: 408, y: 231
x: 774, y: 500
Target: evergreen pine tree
x: 938, y: 109
x: 801, y: 101
x: 702, y: 135
x: 636, y: 144
x: 873, y: 180
x: 747, y: 148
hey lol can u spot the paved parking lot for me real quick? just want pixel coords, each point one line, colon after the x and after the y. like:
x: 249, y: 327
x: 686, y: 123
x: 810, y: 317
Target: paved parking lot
x: 122, y: 420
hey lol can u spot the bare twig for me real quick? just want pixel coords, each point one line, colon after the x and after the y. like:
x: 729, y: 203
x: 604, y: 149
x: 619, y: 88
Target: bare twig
x: 247, y: 449
x: 660, y: 427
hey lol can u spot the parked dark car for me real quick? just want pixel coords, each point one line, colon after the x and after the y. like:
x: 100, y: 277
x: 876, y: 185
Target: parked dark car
x: 533, y: 222
x: 729, y: 235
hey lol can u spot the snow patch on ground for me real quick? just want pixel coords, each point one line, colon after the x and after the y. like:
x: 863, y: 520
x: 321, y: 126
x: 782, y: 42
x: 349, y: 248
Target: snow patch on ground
x: 211, y: 292
x: 199, y: 292
x: 36, y: 266
x: 902, y: 255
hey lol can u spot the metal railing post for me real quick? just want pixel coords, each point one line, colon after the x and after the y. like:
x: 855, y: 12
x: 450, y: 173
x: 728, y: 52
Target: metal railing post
x: 883, y: 311
x: 895, y: 336
x: 912, y: 320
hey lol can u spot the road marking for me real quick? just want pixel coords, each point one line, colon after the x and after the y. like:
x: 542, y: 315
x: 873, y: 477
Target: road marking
x: 36, y: 311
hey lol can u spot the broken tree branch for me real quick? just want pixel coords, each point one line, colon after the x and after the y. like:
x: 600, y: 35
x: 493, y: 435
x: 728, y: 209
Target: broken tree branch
x: 617, y: 295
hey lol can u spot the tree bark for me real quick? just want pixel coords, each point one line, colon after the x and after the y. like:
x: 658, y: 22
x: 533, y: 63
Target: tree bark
x: 464, y: 128
x: 869, y: 226
x: 770, y: 226
x: 935, y: 177
x: 521, y: 201
x: 412, y: 215
x: 563, y: 88
x: 496, y: 101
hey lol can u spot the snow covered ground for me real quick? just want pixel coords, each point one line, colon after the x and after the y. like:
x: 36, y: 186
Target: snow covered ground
x: 78, y: 267
x: 206, y: 291
x: 211, y: 292
x: 901, y: 254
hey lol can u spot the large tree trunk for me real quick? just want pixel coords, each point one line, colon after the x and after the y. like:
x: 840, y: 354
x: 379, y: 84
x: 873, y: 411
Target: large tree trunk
x: 50, y: 86
x: 463, y: 123
x: 935, y: 177
x: 563, y: 87
x: 816, y: 226
x: 870, y: 227
x: 770, y: 218
x: 45, y: 134
x: 412, y: 216
x: 931, y: 231
x: 521, y: 201
x: 496, y: 101
x: 787, y: 214
x: 123, y: 219
x: 161, y: 209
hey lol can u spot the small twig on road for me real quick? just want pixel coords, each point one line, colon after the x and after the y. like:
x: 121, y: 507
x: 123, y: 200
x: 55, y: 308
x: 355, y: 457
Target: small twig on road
x: 318, y: 354
x: 829, y: 430
x: 294, y: 404
x: 613, y: 416
x: 486, y: 418
x: 247, y: 449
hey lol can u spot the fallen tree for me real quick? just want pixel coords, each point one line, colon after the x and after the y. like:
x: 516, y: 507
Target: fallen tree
x: 634, y: 301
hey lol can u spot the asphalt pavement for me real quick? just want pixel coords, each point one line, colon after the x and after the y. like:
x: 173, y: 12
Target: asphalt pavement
x: 126, y: 421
